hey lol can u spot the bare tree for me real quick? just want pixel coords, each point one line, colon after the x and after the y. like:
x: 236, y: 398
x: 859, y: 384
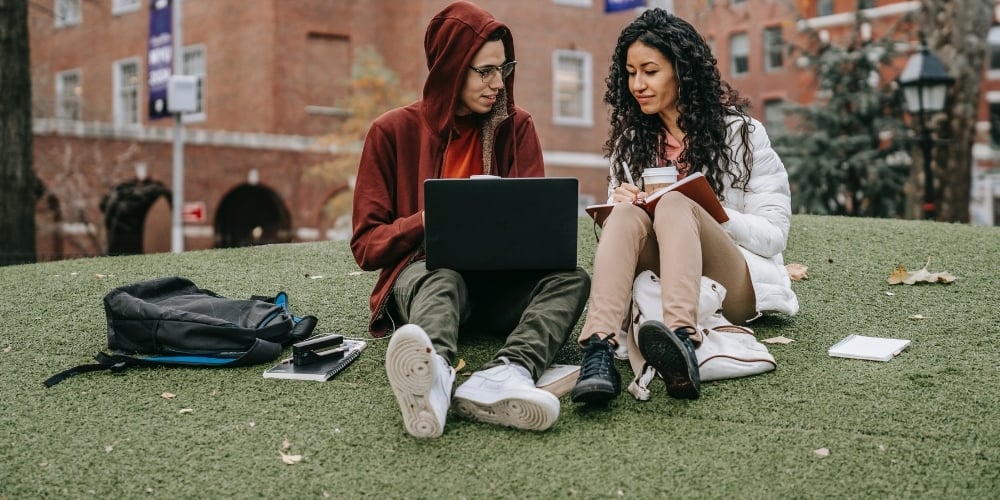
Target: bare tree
x: 956, y: 31
x: 17, y: 177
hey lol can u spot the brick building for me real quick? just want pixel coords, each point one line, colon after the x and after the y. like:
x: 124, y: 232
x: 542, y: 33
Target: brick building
x: 275, y: 83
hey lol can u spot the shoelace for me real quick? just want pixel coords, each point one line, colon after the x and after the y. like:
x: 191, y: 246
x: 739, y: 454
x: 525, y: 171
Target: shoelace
x: 598, y: 359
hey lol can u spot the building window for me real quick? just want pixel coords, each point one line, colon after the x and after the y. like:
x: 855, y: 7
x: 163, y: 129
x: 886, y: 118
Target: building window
x: 67, y: 13
x: 126, y: 91
x: 774, y: 116
x: 572, y: 87
x: 773, y: 54
x: 993, y: 43
x: 739, y: 54
x: 995, y: 124
x: 824, y: 7
x: 124, y: 6
x: 193, y: 63
x: 68, y: 92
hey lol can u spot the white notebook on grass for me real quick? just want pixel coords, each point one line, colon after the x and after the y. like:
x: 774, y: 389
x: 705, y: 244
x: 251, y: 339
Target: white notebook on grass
x: 870, y: 348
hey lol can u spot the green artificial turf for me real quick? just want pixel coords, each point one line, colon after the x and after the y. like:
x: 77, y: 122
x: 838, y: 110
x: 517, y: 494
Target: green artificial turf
x: 923, y: 425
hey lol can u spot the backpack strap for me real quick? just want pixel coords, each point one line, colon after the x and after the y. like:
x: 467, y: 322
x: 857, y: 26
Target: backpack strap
x: 262, y: 351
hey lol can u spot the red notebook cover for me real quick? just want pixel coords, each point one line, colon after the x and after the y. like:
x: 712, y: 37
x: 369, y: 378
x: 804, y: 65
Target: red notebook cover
x: 694, y: 186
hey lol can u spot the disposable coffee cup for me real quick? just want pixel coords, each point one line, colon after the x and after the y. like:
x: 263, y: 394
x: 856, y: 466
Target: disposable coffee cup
x: 658, y: 178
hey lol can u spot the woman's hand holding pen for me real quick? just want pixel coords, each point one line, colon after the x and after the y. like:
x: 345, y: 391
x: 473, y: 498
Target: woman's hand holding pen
x: 627, y: 193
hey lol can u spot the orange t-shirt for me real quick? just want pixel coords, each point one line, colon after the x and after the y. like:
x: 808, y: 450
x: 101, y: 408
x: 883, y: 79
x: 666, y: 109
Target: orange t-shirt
x: 464, y: 157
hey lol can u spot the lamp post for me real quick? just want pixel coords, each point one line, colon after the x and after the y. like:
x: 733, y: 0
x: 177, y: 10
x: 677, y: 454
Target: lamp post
x: 925, y: 84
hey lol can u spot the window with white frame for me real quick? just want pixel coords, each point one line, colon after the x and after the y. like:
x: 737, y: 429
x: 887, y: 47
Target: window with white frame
x: 773, y: 55
x: 739, y: 54
x: 67, y: 13
x: 124, y: 6
x: 993, y: 48
x: 193, y: 63
x: 68, y: 95
x: 774, y: 116
x: 824, y: 7
x: 572, y: 88
x: 126, y: 90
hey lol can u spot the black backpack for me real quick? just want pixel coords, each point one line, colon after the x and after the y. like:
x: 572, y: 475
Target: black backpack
x: 170, y: 321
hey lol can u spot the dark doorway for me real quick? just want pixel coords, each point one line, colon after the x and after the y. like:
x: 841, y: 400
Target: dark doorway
x: 251, y: 215
x: 125, y: 211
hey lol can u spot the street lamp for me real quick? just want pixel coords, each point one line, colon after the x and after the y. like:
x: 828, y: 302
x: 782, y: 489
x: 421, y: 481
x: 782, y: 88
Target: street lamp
x: 925, y: 84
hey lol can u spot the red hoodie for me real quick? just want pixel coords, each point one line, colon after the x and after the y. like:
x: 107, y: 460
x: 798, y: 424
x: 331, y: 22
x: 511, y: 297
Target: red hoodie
x: 406, y: 146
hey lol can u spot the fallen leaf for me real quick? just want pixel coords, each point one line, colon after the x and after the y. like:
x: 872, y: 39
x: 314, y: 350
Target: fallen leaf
x: 778, y: 340
x: 214, y: 393
x: 317, y: 277
x: 899, y: 275
x: 290, y: 459
x: 7, y: 348
x: 461, y: 364
x: 797, y: 272
x: 822, y: 452
x: 168, y: 395
x: 355, y: 273
x: 108, y: 448
x: 185, y: 411
x: 285, y: 444
x: 919, y: 316
x: 101, y: 276
x: 890, y: 294
x: 881, y: 447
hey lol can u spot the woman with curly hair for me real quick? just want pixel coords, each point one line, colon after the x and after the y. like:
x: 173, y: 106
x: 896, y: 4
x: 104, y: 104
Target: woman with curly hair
x: 669, y: 106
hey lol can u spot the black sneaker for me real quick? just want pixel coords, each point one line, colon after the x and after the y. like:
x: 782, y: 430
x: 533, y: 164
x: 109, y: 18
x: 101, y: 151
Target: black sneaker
x: 599, y: 379
x: 672, y: 354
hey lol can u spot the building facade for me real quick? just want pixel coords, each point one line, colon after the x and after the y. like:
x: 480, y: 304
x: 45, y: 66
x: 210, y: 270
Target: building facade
x: 262, y: 159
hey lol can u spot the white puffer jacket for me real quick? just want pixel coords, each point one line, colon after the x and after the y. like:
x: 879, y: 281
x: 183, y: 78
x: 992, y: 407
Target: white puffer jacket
x: 759, y: 218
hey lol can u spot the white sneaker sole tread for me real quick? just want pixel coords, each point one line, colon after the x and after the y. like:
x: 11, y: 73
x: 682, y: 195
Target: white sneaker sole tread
x: 410, y: 365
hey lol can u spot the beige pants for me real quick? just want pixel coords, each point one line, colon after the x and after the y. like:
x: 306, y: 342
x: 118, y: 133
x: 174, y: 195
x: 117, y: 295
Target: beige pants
x: 681, y: 243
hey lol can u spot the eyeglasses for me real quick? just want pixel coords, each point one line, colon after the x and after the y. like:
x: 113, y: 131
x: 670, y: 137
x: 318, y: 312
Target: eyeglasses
x: 487, y: 72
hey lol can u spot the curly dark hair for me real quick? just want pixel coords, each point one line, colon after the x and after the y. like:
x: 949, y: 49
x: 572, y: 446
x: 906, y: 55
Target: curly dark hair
x: 705, y: 103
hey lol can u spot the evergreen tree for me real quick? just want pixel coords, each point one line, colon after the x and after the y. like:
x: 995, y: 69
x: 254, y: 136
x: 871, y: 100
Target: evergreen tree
x: 847, y: 153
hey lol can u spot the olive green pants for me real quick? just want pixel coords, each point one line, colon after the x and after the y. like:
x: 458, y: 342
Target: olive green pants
x: 534, y: 310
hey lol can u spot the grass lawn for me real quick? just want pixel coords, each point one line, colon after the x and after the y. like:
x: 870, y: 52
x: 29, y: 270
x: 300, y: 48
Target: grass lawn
x: 923, y: 425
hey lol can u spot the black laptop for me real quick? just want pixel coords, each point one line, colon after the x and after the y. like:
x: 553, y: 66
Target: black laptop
x: 499, y: 224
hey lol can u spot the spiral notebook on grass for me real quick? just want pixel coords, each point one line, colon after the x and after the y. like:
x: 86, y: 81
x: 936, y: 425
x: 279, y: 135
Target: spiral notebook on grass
x: 318, y: 359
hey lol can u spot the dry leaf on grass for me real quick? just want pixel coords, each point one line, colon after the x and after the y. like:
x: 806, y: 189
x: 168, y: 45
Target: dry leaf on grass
x: 797, y: 272
x: 168, y: 395
x: 186, y: 411
x: 919, y: 316
x: 7, y: 348
x: 778, y: 340
x: 286, y: 444
x: 822, y: 452
x: 290, y: 459
x: 901, y: 275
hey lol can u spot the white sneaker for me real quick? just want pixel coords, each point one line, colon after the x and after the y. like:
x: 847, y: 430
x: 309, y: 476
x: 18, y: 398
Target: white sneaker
x: 503, y: 395
x: 421, y: 380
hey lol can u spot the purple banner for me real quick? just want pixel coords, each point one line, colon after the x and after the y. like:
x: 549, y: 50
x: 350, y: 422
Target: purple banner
x: 160, y: 57
x: 620, y: 5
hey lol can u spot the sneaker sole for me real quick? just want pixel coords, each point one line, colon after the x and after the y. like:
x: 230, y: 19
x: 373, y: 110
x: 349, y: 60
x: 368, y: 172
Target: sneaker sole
x: 534, y: 411
x: 665, y: 352
x: 409, y: 363
x: 593, y: 391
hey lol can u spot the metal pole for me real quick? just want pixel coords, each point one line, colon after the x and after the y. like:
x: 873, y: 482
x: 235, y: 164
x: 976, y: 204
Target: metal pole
x: 927, y: 144
x: 177, y: 226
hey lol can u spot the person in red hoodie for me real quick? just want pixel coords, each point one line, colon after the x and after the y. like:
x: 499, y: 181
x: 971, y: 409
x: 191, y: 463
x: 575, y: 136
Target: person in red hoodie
x: 465, y: 124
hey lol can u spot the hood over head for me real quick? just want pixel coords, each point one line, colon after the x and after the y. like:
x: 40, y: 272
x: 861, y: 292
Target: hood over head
x: 453, y: 37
